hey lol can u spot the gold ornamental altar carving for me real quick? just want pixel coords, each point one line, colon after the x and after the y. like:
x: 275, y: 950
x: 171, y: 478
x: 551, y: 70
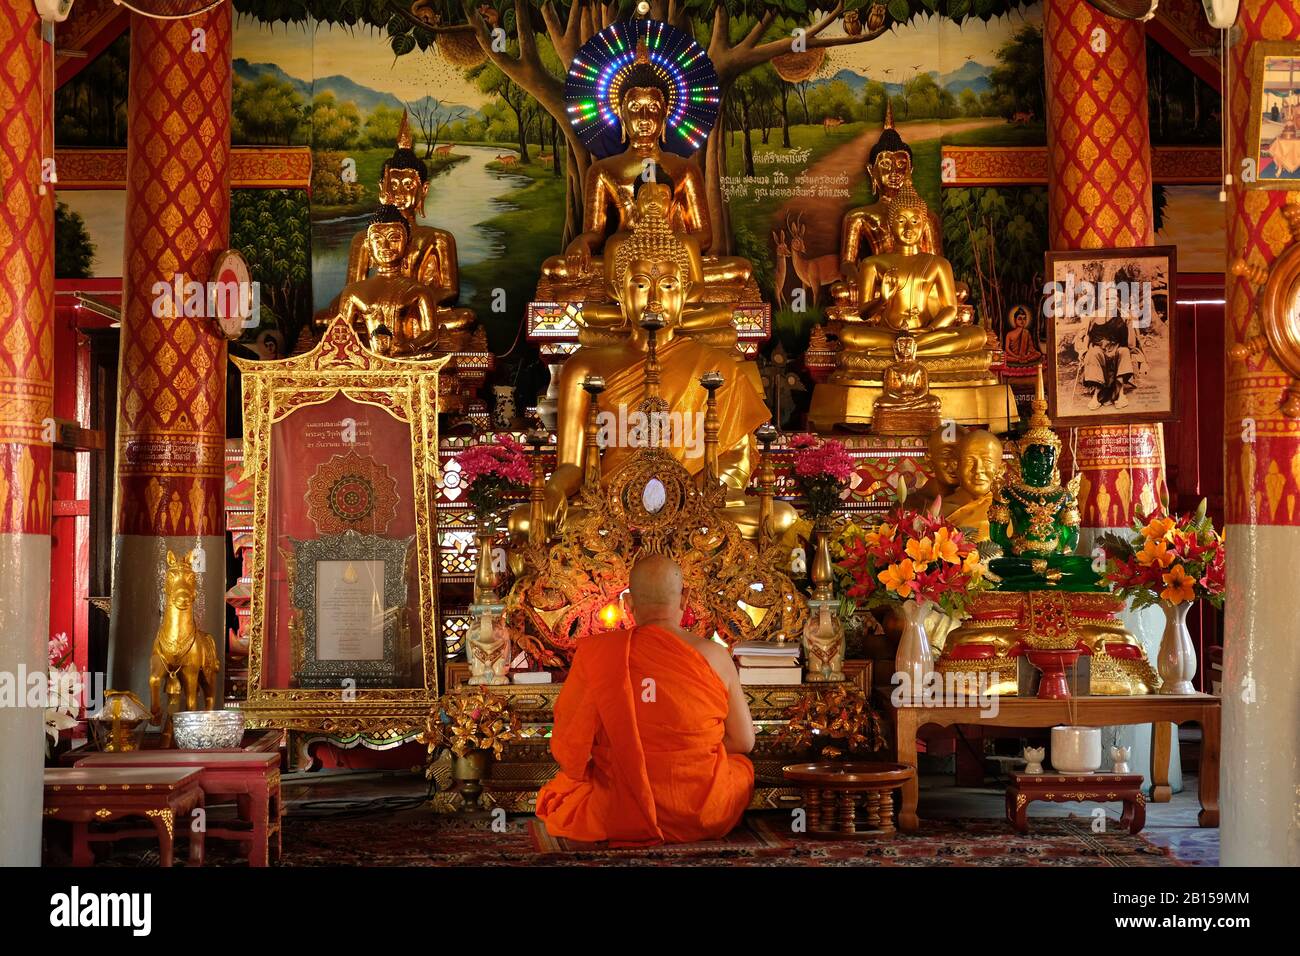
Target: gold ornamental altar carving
x: 405, y: 393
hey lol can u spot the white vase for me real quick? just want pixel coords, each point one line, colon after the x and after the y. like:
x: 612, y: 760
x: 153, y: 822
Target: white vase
x: 1076, y: 749
x: 914, y: 659
x: 1177, y: 658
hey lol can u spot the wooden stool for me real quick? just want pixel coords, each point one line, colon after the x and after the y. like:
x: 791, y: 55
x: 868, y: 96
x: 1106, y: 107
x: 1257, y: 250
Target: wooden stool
x: 831, y: 792
x: 1025, y: 788
x: 251, y: 777
x: 165, y: 796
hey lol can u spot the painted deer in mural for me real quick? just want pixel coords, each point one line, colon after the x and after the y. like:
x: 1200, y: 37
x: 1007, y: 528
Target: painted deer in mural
x: 183, y: 657
x: 779, y: 265
x: 830, y: 123
x: 815, y: 272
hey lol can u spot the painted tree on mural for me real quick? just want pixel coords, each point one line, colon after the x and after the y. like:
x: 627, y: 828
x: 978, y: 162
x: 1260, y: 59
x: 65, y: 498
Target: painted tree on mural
x: 739, y: 36
x: 270, y: 227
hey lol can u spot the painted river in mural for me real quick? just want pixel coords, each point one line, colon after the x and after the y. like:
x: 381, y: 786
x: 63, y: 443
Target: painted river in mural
x: 461, y: 200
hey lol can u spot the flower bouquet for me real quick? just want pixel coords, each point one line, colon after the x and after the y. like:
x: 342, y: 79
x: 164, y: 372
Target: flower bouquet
x: 821, y: 469
x: 64, y: 690
x: 492, y: 472
x: 914, y: 560
x: 1170, y: 562
x: 834, y: 721
x: 475, y: 725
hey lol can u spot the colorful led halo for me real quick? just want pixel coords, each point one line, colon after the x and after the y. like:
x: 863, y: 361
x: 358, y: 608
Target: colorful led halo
x: 595, y: 82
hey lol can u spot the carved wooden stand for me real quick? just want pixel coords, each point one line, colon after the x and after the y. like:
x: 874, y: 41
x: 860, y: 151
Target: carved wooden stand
x: 1063, y: 788
x: 832, y: 791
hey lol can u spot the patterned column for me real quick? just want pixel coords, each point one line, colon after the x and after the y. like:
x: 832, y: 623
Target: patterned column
x: 1099, y: 196
x: 1261, y: 668
x: 171, y: 401
x: 26, y: 401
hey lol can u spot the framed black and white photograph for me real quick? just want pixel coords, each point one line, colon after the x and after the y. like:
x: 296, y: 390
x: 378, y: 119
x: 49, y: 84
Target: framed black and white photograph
x: 1110, y: 329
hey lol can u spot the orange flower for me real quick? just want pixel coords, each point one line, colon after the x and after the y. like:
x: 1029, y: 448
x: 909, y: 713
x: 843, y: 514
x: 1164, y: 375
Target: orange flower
x: 1158, y: 528
x: 945, y: 549
x: 1155, y: 552
x: 1180, y: 586
x: 899, y: 577
x: 973, y: 566
x: 921, y: 550
x: 884, y: 532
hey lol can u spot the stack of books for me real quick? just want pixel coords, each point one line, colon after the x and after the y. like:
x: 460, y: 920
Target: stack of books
x: 760, y: 662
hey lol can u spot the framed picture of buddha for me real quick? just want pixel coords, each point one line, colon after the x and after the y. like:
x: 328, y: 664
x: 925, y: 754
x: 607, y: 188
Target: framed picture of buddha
x: 1273, y: 137
x: 1110, y: 335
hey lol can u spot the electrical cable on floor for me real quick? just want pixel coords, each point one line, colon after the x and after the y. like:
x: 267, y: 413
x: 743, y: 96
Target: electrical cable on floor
x: 345, y: 807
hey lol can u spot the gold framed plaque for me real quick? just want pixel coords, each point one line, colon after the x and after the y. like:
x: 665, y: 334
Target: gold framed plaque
x: 340, y: 448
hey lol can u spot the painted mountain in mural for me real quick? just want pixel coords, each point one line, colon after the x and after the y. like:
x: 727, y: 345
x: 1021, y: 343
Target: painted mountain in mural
x: 971, y: 76
x: 344, y: 89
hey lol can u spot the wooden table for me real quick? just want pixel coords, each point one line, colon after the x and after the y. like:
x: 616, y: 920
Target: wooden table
x: 1067, y: 787
x: 270, y: 740
x: 251, y: 777
x: 831, y: 790
x: 165, y: 796
x: 1159, y: 709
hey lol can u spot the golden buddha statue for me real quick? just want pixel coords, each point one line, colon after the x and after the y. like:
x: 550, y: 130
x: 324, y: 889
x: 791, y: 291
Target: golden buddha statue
x: 910, y: 291
x: 396, y: 314
x: 654, y: 199
x: 889, y: 167
x: 652, y: 270
x: 430, y: 256
x: 905, y: 405
x: 941, y: 454
x: 610, y: 186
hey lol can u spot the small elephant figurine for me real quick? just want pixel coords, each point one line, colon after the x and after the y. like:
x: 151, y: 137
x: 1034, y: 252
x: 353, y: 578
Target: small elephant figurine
x: 1120, y: 756
x: 1034, y: 759
x: 798, y: 561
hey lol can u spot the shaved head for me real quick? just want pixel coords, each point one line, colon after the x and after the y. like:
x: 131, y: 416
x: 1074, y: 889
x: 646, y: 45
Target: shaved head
x: 656, y: 586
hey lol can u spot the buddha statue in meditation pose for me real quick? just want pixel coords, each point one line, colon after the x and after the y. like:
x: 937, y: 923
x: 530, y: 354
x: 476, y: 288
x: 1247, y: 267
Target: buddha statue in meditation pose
x: 1035, y: 519
x: 652, y: 271
x: 394, y: 313
x: 910, y: 291
x: 610, y: 186
x: 905, y: 405
x: 429, y: 257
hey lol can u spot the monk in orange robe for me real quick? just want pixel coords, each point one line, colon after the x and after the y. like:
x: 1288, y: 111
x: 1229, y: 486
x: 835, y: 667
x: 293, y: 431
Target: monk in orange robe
x: 650, y: 729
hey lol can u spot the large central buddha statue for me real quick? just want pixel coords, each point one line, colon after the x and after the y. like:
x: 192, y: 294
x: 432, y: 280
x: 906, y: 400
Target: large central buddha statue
x: 652, y: 269
x: 610, y: 187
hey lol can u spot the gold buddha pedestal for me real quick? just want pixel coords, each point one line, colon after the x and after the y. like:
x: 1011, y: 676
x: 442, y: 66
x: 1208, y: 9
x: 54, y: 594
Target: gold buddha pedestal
x: 907, y: 291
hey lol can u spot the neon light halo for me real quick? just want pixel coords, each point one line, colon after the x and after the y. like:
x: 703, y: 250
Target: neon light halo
x: 595, y: 81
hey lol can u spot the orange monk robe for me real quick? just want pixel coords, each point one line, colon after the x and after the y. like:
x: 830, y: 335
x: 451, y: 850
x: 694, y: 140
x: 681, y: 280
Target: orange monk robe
x: 642, y: 763
x: 741, y: 407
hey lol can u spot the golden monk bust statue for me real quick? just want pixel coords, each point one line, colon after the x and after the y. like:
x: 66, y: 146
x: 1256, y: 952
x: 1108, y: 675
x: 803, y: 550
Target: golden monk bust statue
x: 610, y: 186
x: 979, y: 470
x: 430, y: 254
x: 905, y: 405
x: 396, y: 314
x: 652, y: 269
x: 910, y: 291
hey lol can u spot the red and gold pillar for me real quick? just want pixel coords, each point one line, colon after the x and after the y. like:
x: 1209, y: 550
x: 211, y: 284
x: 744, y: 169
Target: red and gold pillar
x: 26, y: 403
x: 1099, y: 197
x: 171, y: 399
x: 1261, y: 666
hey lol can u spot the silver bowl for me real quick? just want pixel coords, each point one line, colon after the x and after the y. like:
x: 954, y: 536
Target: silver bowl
x: 208, y: 729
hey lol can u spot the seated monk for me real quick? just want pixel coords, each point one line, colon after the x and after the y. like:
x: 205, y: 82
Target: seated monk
x: 610, y: 184
x: 910, y: 291
x: 397, y: 315
x: 640, y: 768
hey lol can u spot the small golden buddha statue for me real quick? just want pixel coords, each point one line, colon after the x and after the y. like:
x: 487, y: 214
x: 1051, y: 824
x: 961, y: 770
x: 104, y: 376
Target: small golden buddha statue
x: 397, y: 315
x: 979, y: 471
x: 652, y: 269
x: 905, y: 405
x: 610, y: 186
x: 910, y: 291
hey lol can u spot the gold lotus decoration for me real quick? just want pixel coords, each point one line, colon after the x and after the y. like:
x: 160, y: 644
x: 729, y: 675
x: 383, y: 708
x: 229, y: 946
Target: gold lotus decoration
x: 650, y: 505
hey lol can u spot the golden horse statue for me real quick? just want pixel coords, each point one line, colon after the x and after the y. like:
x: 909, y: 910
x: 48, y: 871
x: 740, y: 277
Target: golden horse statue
x: 184, y: 654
